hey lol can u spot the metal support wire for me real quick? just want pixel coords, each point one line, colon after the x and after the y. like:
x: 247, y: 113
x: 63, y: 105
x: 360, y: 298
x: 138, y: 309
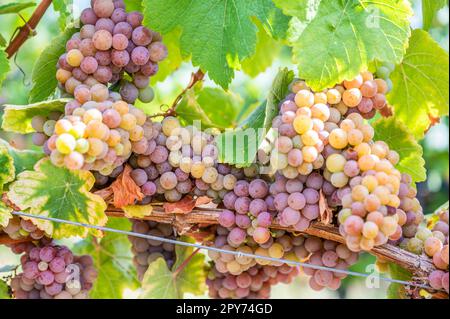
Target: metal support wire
x: 219, y: 250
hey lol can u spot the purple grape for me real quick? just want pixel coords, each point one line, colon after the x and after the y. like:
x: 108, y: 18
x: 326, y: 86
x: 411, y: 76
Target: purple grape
x: 311, y: 195
x: 140, y: 55
x: 264, y: 219
x: 142, y: 36
x: 258, y: 188
x: 157, y: 51
x: 243, y: 221
x: 241, y: 188
x: 105, y: 24
x: 311, y: 212
x: 123, y: 28
x: 296, y: 201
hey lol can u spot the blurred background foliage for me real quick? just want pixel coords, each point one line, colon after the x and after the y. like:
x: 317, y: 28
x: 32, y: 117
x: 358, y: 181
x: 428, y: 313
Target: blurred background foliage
x: 252, y: 87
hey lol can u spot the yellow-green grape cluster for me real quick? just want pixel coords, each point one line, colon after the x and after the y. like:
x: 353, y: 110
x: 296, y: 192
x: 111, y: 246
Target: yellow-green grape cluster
x: 98, y: 133
x: 44, y: 127
x: 111, y: 42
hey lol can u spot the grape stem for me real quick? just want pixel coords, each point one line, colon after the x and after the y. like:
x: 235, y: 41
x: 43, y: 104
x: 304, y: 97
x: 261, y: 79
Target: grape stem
x: 28, y: 28
x: 195, y: 77
x: 185, y: 262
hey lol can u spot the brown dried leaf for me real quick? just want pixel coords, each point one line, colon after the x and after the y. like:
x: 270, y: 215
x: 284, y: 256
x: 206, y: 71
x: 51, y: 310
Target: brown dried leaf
x: 433, y: 121
x: 386, y: 111
x: 326, y: 213
x: 125, y: 190
x: 186, y: 205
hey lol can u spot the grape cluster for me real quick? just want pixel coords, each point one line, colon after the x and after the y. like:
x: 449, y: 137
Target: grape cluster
x: 436, y: 246
x: 255, y: 283
x: 19, y: 228
x: 433, y: 241
x: 110, y: 43
x: 329, y: 254
x: 146, y: 251
x: 53, y: 272
x: 98, y: 132
x: 368, y: 187
x: 296, y: 201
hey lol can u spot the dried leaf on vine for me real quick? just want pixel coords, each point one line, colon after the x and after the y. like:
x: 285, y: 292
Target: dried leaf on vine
x: 326, y: 214
x: 125, y: 190
x: 186, y: 205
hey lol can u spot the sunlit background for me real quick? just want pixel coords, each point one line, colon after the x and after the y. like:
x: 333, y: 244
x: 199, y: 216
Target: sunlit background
x: 432, y: 193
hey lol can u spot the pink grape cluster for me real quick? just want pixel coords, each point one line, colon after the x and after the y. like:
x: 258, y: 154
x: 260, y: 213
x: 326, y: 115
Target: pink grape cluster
x: 110, y: 43
x: 296, y: 201
x: 437, y: 249
x: 307, y: 119
x: 433, y: 242
x: 146, y: 251
x: 53, y: 272
x: 98, y: 132
x: 19, y: 228
x: 329, y: 254
x: 255, y: 283
x: 178, y: 161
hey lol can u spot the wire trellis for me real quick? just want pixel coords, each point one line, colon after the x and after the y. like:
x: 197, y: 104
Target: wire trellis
x: 219, y: 250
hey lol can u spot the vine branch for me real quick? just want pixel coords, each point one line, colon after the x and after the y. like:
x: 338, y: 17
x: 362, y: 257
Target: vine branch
x: 27, y: 28
x: 195, y: 77
x: 418, y: 265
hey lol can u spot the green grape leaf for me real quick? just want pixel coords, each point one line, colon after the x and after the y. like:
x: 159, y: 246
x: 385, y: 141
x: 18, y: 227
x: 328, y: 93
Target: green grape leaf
x: 212, y: 106
x: 429, y: 9
x: 4, y: 290
x: 174, y: 58
x: 267, y: 49
x: 43, y: 77
x: 344, y: 36
x: 5, y: 214
x: 63, y: 7
x: 7, y: 169
x: 161, y: 283
x: 113, y: 261
x: 17, y: 118
x: 395, y: 290
x: 215, y: 31
x: 302, y: 9
x: 133, y: 5
x: 2, y: 41
x: 15, y: 7
x: 420, y: 84
x: 239, y: 146
x: 24, y: 160
x: 398, y: 137
x: 4, y: 65
x: 59, y: 193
